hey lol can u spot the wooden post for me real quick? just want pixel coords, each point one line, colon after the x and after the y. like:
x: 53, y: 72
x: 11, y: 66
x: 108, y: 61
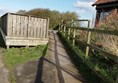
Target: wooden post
x: 88, y: 40
x: 64, y: 29
x: 8, y: 46
x: 74, y: 30
x: 59, y: 27
x: 62, y: 25
x: 68, y: 33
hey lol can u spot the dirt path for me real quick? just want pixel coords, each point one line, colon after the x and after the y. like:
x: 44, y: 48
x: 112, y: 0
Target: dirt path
x: 4, y: 73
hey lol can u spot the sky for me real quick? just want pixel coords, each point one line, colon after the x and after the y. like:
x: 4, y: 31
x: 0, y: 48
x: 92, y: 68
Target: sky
x: 82, y: 7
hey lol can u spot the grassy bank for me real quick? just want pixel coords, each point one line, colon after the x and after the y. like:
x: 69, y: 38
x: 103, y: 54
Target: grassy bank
x: 90, y: 69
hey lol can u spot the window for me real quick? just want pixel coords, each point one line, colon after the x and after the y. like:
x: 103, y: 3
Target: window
x: 103, y: 15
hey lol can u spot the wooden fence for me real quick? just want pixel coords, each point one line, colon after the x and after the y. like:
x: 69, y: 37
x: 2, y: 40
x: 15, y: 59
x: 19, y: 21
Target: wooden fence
x: 20, y: 27
x: 66, y: 30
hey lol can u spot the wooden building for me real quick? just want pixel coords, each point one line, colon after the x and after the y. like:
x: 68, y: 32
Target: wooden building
x: 23, y: 30
x: 105, y: 8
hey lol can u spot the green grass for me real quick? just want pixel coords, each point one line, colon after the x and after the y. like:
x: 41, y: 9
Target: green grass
x: 15, y: 56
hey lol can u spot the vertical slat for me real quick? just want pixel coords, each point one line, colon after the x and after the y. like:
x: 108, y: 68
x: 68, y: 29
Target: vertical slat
x: 37, y: 29
x: 9, y: 25
x: 16, y: 28
x: 44, y: 28
x: 32, y: 26
x: 26, y: 26
x: 40, y: 28
x: 47, y: 27
x: 21, y: 25
x: 4, y: 25
x: 31, y: 30
x: 29, y: 27
x: 5, y: 19
x: 14, y: 25
x: 39, y: 24
x: 18, y: 19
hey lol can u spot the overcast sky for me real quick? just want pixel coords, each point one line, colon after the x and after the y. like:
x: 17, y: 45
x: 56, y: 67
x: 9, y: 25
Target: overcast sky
x: 82, y: 7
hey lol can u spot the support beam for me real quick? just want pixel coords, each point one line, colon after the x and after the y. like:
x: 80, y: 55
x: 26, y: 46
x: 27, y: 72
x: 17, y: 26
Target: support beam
x: 8, y: 46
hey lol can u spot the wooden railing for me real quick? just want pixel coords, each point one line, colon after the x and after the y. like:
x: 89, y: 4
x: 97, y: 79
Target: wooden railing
x: 66, y: 30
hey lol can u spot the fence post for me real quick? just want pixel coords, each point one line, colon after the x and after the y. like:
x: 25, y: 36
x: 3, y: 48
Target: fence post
x: 74, y: 30
x: 59, y: 27
x: 64, y: 29
x: 62, y: 24
x: 88, y: 40
x: 68, y: 33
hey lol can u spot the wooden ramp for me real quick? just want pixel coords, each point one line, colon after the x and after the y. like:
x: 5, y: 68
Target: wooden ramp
x: 65, y: 71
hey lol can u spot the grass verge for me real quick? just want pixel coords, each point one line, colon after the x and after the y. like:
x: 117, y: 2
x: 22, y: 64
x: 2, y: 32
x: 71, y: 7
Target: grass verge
x: 15, y: 56
x: 85, y: 67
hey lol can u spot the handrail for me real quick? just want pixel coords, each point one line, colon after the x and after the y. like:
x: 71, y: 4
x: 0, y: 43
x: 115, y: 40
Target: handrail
x: 78, y: 20
x: 106, y: 54
x: 96, y: 30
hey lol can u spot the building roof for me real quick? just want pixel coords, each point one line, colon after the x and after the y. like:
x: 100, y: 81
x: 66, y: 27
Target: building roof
x: 103, y: 2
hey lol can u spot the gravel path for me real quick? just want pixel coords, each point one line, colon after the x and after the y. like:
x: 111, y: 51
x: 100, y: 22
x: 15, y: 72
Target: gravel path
x: 4, y: 73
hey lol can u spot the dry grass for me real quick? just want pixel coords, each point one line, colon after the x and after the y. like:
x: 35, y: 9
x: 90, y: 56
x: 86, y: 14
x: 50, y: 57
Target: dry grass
x: 109, y: 42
